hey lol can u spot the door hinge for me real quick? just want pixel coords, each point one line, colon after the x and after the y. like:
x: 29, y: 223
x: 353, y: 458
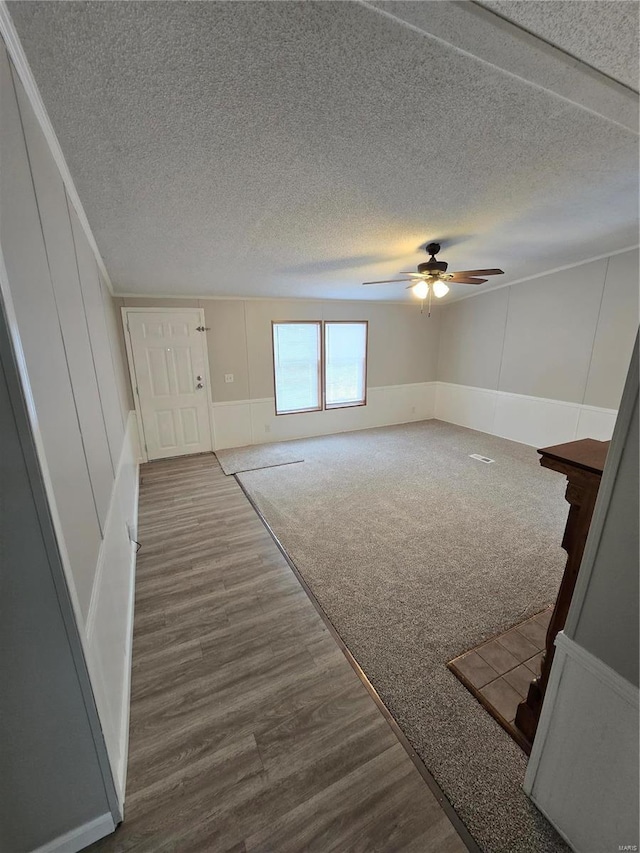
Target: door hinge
x: 137, y: 392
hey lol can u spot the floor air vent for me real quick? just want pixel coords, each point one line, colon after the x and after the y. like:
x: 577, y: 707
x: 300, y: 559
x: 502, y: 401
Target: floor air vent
x: 480, y: 458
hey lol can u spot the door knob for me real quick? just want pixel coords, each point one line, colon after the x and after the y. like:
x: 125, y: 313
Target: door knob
x: 199, y: 385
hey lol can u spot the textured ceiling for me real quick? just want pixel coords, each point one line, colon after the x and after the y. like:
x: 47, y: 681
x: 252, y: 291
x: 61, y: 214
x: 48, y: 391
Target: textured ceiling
x: 602, y: 34
x: 298, y: 149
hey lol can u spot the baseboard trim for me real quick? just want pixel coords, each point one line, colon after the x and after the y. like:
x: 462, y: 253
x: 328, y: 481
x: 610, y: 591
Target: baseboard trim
x: 79, y: 838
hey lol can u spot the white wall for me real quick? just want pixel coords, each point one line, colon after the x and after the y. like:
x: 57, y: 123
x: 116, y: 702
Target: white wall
x: 544, y: 361
x: 62, y: 319
x: 401, y: 369
x: 583, y: 772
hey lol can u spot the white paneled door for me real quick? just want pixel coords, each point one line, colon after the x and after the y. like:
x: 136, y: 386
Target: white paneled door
x: 168, y: 351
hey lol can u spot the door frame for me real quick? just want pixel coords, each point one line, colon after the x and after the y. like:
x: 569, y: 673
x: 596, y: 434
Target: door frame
x: 132, y: 371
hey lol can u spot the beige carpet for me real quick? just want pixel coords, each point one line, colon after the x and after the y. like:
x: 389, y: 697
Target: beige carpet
x: 256, y: 456
x: 417, y: 552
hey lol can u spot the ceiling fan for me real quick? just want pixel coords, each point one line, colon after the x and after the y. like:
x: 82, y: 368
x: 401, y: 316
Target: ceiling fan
x: 432, y: 277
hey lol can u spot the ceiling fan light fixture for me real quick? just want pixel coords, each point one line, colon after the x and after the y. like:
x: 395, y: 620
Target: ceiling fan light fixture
x: 431, y: 277
x: 421, y: 289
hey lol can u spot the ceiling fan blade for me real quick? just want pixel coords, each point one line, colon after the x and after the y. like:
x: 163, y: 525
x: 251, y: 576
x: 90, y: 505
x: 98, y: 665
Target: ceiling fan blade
x: 388, y: 281
x: 415, y: 274
x: 466, y: 280
x: 478, y: 272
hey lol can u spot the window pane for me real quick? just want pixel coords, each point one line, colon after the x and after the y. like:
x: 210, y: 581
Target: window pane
x: 296, y: 353
x: 345, y: 363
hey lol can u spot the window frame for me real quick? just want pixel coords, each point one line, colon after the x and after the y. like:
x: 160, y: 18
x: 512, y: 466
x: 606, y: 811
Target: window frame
x: 363, y: 402
x: 322, y: 396
x: 317, y: 323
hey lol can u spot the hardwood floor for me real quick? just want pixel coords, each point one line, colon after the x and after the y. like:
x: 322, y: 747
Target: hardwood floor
x: 249, y: 729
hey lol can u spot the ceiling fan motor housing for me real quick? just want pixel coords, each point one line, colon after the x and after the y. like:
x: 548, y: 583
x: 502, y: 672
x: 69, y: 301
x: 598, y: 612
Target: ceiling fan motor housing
x: 432, y: 266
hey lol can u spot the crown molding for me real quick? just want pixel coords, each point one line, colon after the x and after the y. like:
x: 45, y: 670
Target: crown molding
x: 542, y: 274
x: 609, y: 99
x: 441, y: 303
x: 208, y: 297
x: 23, y: 69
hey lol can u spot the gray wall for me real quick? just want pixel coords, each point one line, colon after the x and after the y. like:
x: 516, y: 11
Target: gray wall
x: 564, y: 336
x: 403, y: 343
x: 68, y: 331
x: 608, y: 622
x: 51, y: 781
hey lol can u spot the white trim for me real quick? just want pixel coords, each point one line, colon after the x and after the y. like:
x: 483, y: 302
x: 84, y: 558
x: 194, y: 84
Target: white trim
x: 207, y: 297
x: 551, y: 52
x: 21, y: 64
x: 121, y: 777
x: 254, y: 400
x: 144, y: 453
x: 97, y: 579
x: 447, y: 300
x: 223, y: 403
x: 110, y: 661
x: 587, y: 408
x: 80, y: 837
x: 539, y: 274
x: 527, y: 397
x: 142, y: 443
x: 164, y: 310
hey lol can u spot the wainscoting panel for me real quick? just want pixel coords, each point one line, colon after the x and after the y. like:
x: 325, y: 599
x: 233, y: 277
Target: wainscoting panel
x: 232, y: 424
x: 535, y: 421
x: 587, y: 784
x: 529, y: 420
x: 255, y: 422
x: 470, y: 407
x: 109, y: 628
x: 596, y: 423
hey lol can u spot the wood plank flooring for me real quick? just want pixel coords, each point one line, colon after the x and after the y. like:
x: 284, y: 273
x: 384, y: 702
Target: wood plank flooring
x: 249, y: 729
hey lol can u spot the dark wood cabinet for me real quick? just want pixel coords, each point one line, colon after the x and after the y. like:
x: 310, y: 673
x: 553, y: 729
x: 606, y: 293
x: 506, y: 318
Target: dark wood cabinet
x: 582, y: 463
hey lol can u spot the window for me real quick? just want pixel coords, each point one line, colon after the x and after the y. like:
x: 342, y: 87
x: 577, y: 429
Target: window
x: 297, y: 367
x: 345, y: 358
x: 316, y: 368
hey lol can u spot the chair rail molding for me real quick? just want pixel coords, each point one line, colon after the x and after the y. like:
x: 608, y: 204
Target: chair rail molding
x: 243, y: 422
